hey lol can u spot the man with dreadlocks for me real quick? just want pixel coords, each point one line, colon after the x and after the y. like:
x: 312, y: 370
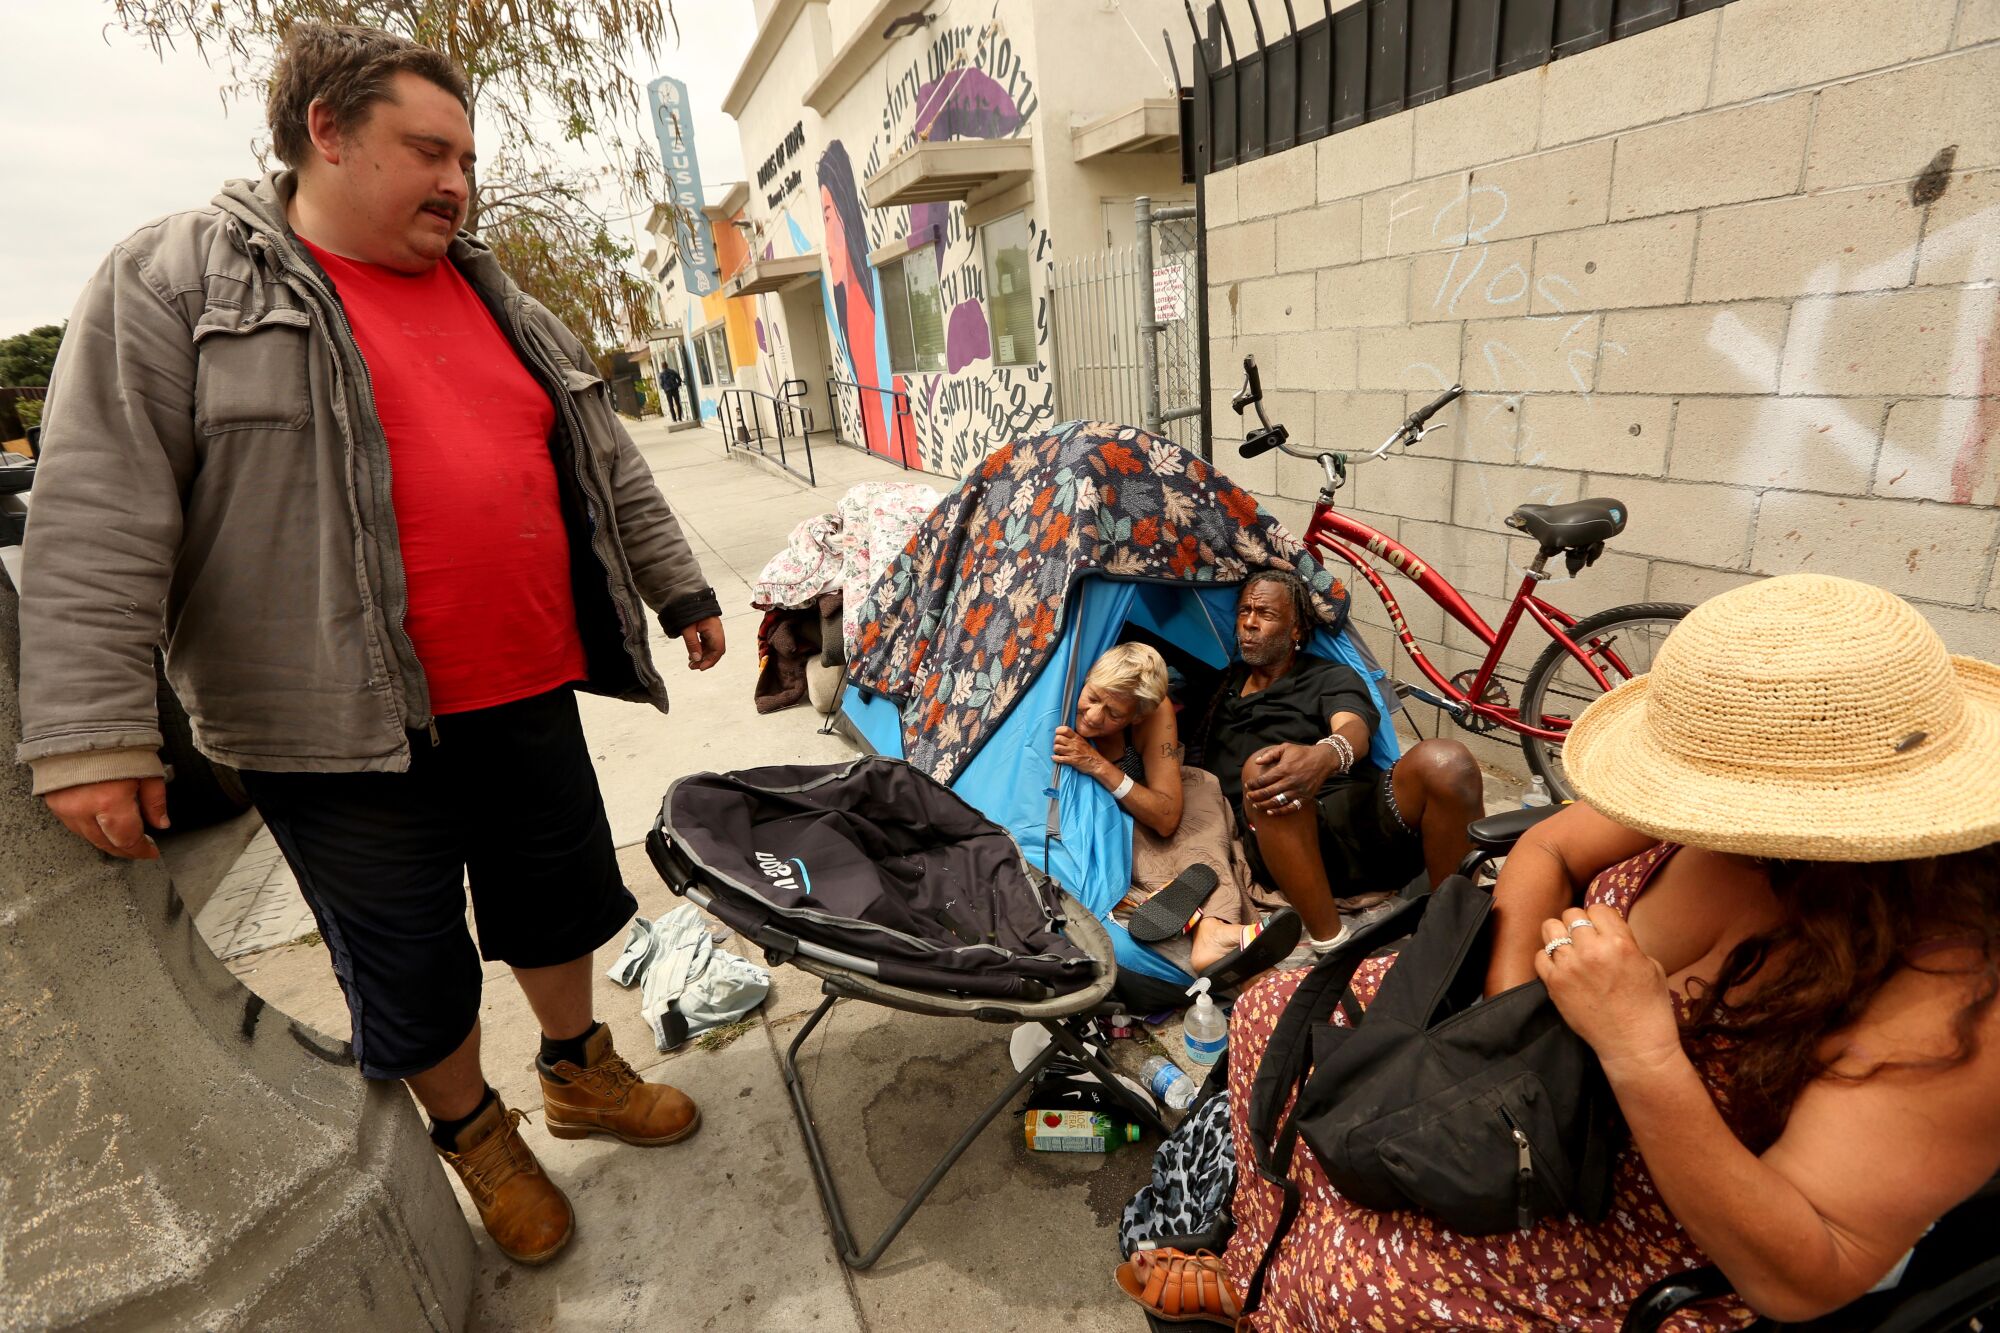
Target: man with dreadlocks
x: 1287, y: 737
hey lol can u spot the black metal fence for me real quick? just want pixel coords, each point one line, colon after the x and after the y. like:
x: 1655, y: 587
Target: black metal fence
x: 742, y: 414
x: 1275, y: 87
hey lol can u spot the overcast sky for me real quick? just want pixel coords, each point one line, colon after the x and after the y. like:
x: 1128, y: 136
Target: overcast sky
x: 100, y: 137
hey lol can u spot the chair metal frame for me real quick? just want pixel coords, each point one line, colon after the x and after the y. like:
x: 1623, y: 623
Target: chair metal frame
x: 848, y: 977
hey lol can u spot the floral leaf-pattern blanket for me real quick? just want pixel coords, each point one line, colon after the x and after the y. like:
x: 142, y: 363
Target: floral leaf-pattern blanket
x: 968, y: 614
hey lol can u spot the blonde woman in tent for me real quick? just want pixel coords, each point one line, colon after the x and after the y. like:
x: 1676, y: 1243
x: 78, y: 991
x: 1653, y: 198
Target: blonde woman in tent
x: 1185, y: 860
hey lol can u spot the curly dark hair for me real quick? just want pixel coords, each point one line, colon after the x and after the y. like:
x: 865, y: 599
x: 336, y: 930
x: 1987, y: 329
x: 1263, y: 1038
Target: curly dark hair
x: 349, y: 69
x: 1845, y: 930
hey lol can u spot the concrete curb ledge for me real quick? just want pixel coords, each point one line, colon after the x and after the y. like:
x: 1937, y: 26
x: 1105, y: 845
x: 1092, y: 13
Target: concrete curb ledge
x: 174, y: 1153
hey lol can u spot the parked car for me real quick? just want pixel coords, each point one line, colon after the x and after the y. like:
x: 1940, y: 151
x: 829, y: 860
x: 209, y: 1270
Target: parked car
x: 199, y: 791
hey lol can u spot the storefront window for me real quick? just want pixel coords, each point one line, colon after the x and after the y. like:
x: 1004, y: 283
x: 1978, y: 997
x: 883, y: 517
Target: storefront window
x: 915, y: 312
x: 1010, y: 293
x: 718, y: 353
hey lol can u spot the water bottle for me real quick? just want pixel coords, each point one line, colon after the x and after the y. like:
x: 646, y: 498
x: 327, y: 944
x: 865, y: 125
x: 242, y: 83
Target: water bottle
x: 1536, y: 796
x: 1168, y: 1082
x: 1076, y: 1131
x: 1205, y: 1030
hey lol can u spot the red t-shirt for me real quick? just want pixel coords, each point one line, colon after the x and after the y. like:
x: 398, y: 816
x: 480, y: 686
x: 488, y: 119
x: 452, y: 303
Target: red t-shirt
x: 484, y: 548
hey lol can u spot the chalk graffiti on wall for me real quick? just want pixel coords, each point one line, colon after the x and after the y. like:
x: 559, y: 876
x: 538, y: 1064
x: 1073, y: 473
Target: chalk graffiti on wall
x: 969, y: 83
x: 1812, y: 411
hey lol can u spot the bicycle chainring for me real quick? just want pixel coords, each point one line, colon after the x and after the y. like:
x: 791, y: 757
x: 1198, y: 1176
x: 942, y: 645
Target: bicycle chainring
x: 1494, y: 695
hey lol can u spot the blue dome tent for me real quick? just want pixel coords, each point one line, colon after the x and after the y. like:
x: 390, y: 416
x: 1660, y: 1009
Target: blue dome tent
x: 975, y: 642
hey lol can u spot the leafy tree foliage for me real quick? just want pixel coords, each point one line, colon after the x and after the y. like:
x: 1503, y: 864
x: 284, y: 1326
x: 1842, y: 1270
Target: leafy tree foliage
x: 27, y: 358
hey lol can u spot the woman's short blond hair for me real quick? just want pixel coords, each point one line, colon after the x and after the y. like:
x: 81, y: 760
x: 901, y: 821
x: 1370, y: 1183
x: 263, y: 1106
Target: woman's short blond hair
x: 1135, y: 670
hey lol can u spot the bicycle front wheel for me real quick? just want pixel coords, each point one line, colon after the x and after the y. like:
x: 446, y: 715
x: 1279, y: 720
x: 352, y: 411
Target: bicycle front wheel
x: 1621, y: 643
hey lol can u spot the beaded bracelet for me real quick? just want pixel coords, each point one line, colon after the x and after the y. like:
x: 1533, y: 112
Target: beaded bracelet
x: 1342, y: 748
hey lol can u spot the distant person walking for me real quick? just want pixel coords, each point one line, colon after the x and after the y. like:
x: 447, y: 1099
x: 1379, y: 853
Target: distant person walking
x: 388, y: 521
x: 670, y: 389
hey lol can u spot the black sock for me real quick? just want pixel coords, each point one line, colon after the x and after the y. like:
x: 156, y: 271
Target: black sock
x: 444, y: 1133
x: 570, y: 1048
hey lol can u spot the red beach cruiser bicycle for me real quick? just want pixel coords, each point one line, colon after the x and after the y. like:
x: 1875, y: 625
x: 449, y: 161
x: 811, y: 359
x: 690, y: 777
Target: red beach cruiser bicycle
x: 1584, y: 657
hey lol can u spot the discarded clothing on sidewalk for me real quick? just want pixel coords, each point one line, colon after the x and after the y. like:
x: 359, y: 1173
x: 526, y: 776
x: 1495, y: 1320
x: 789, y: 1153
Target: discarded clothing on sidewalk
x: 788, y: 640
x: 687, y: 984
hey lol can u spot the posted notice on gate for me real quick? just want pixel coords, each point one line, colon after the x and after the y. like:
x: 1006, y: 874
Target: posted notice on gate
x: 1169, y: 293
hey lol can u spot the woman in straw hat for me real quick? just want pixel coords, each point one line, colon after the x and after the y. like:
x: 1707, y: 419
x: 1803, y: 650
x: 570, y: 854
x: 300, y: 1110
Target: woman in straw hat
x: 1786, y: 961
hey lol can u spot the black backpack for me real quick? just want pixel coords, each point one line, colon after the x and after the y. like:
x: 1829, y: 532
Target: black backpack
x: 1489, y: 1115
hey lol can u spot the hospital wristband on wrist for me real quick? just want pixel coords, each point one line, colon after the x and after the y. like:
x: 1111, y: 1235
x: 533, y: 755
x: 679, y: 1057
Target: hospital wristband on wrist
x: 1119, y: 792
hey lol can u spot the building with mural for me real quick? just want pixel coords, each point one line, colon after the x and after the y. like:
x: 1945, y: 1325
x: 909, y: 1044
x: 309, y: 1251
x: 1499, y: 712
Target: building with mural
x: 712, y: 339
x: 917, y: 172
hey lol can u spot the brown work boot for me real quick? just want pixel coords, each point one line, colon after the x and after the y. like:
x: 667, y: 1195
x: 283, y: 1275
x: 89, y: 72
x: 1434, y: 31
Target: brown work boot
x: 604, y: 1096
x: 524, y: 1212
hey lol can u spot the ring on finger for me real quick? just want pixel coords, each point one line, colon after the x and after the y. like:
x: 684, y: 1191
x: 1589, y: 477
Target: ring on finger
x: 1580, y: 923
x: 1559, y: 942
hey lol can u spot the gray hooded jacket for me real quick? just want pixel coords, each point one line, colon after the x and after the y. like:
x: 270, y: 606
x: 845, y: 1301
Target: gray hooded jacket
x: 213, y: 466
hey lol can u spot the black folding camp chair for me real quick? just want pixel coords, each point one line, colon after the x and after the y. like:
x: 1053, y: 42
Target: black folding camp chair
x: 840, y: 957
x: 1952, y: 1282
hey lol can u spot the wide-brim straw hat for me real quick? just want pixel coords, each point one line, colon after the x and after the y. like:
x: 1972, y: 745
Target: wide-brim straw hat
x: 1804, y: 717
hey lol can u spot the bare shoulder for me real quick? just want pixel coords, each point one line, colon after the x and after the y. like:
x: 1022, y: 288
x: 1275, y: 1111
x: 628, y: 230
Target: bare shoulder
x: 1906, y: 1121
x: 1937, y: 1013
x: 1159, y: 730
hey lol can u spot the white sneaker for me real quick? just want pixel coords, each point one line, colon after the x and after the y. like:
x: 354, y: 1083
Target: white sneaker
x: 1351, y: 923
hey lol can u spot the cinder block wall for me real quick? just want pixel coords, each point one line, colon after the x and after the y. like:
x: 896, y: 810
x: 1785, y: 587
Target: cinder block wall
x: 1741, y: 272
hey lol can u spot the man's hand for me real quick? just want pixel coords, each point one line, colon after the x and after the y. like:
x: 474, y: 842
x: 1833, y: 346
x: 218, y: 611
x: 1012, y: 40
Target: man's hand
x: 107, y: 814
x: 704, y: 643
x: 1288, y: 777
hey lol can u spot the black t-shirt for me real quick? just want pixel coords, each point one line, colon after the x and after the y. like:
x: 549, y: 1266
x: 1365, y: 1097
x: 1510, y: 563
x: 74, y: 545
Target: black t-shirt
x: 1296, y: 708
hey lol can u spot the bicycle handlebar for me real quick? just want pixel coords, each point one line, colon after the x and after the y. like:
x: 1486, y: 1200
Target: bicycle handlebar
x: 1444, y: 400
x: 1269, y: 436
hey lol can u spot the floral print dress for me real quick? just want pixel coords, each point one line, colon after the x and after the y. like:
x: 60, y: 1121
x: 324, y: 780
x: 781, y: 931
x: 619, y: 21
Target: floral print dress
x: 1347, y: 1267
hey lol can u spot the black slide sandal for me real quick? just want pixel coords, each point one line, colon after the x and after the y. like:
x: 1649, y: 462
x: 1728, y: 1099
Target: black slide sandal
x: 1167, y: 913
x: 1278, y: 938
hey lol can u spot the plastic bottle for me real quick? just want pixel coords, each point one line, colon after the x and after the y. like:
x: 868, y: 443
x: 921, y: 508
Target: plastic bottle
x: 1536, y: 796
x: 1169, y: 1082
x: 1204, y: 1029
x: 1076, y: 1131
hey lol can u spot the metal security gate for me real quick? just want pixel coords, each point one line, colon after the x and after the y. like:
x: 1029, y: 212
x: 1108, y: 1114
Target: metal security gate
x: 1129, y: 330
x: 1092, y: 299
x: 1172, y: 331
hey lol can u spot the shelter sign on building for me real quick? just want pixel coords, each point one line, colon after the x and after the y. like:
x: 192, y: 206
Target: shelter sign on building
x: 673, y: 121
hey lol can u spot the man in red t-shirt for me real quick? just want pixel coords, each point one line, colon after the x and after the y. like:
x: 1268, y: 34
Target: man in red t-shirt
x: 393, y: 523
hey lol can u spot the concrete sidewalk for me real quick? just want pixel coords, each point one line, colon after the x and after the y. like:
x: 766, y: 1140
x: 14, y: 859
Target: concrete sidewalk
x: 726, y: 1232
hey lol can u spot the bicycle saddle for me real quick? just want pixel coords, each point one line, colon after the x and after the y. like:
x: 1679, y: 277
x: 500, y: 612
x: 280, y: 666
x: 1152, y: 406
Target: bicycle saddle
x: 1570, y: 527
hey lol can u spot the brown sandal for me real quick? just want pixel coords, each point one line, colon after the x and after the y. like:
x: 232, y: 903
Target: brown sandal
x: 1178, y: 1288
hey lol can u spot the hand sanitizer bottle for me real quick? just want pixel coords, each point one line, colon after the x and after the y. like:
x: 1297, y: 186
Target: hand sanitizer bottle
x: 1204, y: 1029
